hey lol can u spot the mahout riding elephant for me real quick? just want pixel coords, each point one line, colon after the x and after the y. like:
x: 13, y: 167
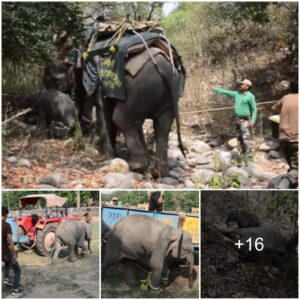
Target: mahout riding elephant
x: 73, y: 234
x: 152, y: 94
x: 242, y: 219
x: 144, y: 239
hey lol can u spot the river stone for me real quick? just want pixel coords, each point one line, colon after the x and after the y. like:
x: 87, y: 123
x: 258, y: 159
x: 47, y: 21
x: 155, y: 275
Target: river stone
x: 11, y: 159
x: 216, y: 142
x: 256, y: 171
x: 117, y: 181
x: 199, y: 161
x: 233, y: 143
x: 181, y: 179
x: 202, y: 176
x: 200, y: 147
x: 162, y: 186
x: 46, y: 187
x: 148, y: 185
x: 268, y: 146
x: 241, y: 173
x: 55, y: 179
x: 189, y: 184
x: 22, y: 162
x: 119, y: 165
x: 174, y: 174
x: 168, y: 181
x: 274, y: 154
x: 224, y: 158
x: 179, y: 170
x: 173, y: 163
x: 174, y: 153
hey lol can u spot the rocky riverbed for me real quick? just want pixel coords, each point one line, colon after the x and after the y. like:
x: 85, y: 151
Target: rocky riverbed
x: 212, y: 163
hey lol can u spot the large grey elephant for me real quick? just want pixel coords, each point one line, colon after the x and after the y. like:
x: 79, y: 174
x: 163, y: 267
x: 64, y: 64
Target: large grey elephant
x: 142, y: 238
x: 73, y: 234
x: 152, y: 94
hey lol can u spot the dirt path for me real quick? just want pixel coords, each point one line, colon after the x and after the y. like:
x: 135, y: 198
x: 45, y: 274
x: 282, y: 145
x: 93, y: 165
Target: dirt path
x: 114, y: 285
x: 79, y: 279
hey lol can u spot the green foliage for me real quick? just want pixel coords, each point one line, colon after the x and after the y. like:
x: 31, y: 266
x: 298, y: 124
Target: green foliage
x: 132, y: 198
x: 28, y: 28
x: 78, y: 139
x: 225, y: 181
x: 181, y: 201
x: 11, y: 199
x: 285, y: 203
x: 174, y: 200
x: 218, y: 30
x: 138, y: 11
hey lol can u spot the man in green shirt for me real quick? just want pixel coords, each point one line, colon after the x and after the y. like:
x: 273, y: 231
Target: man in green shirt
x: 245, y: 112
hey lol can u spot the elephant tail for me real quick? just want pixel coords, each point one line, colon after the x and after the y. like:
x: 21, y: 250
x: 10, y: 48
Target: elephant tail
x: 172, y: 81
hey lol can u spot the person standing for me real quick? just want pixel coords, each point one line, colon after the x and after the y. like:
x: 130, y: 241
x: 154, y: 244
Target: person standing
x: 156, y: 200
x: 245, y: 112
x: 9, y: 256
x: 287, y: 107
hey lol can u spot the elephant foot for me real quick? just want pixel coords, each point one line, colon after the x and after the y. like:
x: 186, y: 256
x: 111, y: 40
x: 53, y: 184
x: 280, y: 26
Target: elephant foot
x: 54, y: 261
x: 138, y: 166
x: 72, y: 258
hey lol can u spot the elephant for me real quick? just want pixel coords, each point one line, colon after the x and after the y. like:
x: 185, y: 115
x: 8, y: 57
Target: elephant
x: 152, y: 94
x: 143, y: 239
x: 73, y: 234
x: 242, y: 219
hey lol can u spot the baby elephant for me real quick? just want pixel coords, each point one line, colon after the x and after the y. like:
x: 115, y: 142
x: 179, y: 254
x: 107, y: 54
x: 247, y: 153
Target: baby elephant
x: 242, y: 219
x: 54, y: 105
x: 141, y: 238
x: 73, y: 234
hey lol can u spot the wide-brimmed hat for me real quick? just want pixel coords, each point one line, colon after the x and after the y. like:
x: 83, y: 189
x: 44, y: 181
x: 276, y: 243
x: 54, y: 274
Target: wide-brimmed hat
x: 246, y: 81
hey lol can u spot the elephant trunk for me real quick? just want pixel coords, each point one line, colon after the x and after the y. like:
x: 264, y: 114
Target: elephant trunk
x: 190, y: 260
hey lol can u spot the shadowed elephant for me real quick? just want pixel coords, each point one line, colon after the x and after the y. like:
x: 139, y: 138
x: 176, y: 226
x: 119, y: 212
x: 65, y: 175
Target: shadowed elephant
x: 242, y: 219
x: 144, y: 239
x: 73, y: 234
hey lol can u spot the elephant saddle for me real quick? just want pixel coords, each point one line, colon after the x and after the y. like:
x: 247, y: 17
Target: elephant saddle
x: 108, y: 65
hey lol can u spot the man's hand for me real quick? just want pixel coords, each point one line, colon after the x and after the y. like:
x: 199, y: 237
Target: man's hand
x: 14, y: 257
x: 251, y: 126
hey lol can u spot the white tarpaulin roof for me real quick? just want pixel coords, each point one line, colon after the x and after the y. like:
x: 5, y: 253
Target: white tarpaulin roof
x: 52, y: 200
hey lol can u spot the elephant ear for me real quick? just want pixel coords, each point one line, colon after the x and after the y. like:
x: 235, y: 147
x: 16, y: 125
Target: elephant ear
x: 176, y: 241
x: 88, y: 231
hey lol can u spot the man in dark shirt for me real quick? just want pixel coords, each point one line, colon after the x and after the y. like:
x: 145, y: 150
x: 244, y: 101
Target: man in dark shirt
x: 9, y: 256
x: 287, y: 107
x: 156, y: 200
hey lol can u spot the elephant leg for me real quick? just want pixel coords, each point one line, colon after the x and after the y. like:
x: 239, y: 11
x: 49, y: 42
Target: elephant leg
x: 107, y: 147
x: 166, y: 271
x: 82, y: 245
x: 162, y: 128
x: 138, y: 154
x: 156, y: 264
x: 72, y: 256
x: 57, y: 249
x: 108, y: 109
x: 112, y: 254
